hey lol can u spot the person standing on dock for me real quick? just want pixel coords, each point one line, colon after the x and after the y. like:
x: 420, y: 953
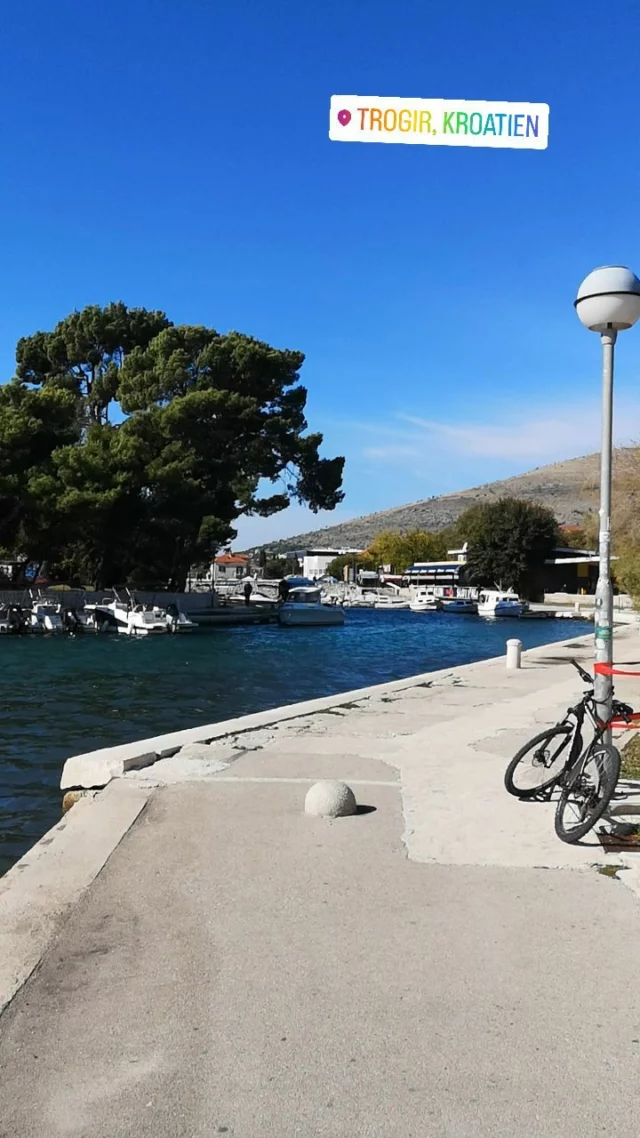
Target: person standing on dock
x: 248, y: 589
x: 283, y: 590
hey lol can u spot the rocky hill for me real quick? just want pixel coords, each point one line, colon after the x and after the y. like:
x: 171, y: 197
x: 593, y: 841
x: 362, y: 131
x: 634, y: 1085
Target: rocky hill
x: 568, y: 488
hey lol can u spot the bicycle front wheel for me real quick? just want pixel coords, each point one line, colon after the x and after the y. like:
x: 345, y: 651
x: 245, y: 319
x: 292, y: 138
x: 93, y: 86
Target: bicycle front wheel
x: 587, y: 792
x: 540, y: 763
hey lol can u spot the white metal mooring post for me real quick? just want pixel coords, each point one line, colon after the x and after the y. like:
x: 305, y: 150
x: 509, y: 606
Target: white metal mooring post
x: 514, y: 653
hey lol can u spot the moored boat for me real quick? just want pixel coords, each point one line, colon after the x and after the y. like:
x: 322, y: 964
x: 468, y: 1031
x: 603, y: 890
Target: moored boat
x: 176, y: 620
x: 383, y: 602
x: 424, y: 600
x: 13, y: 620
x: 127, y: 617
x: 45, y: 617
x: 462, y: 605
x: 304, y: 606
x: 500, y: 602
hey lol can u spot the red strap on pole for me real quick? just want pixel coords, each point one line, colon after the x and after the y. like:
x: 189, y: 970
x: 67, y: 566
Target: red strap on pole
x: 606, y: 670
x: 630, y: 724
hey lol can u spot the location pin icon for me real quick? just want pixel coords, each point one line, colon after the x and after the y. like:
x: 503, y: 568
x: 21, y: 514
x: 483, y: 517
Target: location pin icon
x: 344, y: 117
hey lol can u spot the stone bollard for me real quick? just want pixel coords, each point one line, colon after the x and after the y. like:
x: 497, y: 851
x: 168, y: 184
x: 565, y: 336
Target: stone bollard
x: 330, y: 799
x: 514, y: 653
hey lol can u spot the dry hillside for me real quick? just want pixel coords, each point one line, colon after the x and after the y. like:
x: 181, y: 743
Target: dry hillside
x: 568, y: 488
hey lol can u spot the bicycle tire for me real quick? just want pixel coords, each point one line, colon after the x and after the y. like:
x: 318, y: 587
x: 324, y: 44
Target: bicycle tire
x: 529, y: 791
x: 607, y: 761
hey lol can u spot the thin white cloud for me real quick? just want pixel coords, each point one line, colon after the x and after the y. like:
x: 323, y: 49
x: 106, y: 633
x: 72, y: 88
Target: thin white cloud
x: 526, y: 435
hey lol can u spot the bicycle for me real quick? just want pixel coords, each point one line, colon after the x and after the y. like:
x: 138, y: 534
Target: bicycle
x: 587, y: 776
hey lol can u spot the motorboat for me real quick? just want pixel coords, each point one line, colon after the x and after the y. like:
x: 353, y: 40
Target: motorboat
x: 394, y: 603
x: 304, y: 606
x: 500, y: 602
x: 99, y: 616
x: 424, y: 600
x: 462, y: 605
x: 144, y: 620
x: 176, y: 620
x: 13, y: 620
x: 45, y: 617
x: 257, y: 597
x: 81, y: 620
x: 359, y: 601
x: 128, y: 617
x: 330, y: 598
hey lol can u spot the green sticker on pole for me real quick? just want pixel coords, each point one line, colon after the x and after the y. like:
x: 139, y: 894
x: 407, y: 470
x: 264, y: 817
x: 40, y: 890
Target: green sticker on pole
x: 603, y: 633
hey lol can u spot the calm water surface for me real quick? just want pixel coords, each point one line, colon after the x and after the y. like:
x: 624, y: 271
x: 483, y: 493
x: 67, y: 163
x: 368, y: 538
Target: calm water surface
x: 61, y: 696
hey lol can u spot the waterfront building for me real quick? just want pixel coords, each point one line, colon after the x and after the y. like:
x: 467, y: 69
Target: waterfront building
x: 315, y: 562
x: 566, y: 571
x: 226, y: 569
x: 229, y: 568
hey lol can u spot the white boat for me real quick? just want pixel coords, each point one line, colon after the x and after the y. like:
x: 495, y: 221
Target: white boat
x: 500, y: 602
x: 391, y: 603
x: 424, y: 600
x: 459, y: 604
x: 358, y: 599
x: 304, y: 606
x: 176, y: 620
x: 78, y: 620
x: 45, y: 617
x: 256, y: 598
x: 128, y: 618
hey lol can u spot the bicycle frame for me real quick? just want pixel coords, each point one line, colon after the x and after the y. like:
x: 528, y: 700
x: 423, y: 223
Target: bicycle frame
x: 586, y: 710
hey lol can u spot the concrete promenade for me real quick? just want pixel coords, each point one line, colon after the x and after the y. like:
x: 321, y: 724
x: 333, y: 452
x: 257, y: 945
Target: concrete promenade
x: 439, y: 965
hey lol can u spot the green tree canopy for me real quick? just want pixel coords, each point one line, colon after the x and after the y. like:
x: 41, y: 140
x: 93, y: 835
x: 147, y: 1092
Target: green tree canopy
x: 33, y: 426
x: 213, y: 428
x: 275, y: 568
x: 400, y: 550
x: 85, y: 352
x: 337, y: 567
x: 577, y: 537
x: 509, y: 540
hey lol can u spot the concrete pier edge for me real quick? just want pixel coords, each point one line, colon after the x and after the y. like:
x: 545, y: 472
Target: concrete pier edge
x: 38, y: 892
x: 94, y: 769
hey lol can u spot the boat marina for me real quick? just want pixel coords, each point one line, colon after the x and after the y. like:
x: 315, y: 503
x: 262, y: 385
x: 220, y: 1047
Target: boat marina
x: 323, y: 603
x: 43, y: 615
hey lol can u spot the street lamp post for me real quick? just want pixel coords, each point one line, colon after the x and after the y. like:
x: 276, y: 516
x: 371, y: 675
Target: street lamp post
x: 608, y: 302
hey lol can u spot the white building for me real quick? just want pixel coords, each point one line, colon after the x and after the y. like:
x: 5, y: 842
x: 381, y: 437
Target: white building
x: 315, y: 562
x: 229, y: 568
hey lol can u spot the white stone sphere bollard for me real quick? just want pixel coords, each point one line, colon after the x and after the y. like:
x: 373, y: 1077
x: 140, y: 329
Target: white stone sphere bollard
x: 330, y: 799
x: 514, y: 653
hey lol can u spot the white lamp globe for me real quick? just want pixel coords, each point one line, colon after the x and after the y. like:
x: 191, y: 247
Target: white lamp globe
x: 609, y: 299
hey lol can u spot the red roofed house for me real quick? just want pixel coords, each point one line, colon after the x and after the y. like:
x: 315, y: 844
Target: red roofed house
x: 229, y: 568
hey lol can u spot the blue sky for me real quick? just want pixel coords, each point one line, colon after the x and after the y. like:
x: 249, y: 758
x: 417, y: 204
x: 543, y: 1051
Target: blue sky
x: 177, y: 156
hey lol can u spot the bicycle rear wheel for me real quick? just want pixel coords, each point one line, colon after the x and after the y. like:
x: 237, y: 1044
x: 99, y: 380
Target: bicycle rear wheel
x: 587, y: 791
x: 540, y: 763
